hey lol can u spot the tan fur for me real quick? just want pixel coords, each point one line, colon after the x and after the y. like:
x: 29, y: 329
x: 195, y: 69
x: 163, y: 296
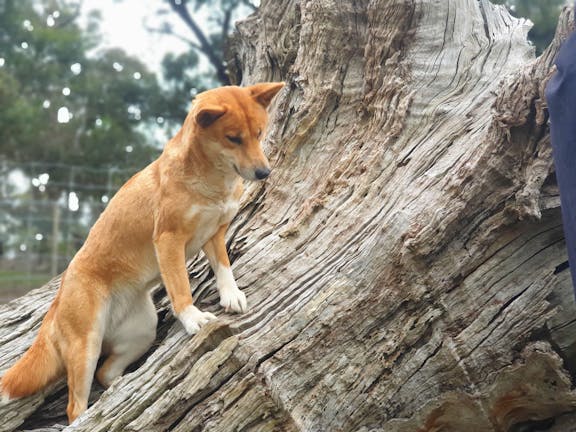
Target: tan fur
x: 180, y: 203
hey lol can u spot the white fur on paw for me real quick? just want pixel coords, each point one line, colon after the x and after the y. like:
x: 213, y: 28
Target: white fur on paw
x: 232, y: 299
x: 193, y: 318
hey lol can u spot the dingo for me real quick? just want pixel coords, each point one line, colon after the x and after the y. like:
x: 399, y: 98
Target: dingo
x: 180, y: 203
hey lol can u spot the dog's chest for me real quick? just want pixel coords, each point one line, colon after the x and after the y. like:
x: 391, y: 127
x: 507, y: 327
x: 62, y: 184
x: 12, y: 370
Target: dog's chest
x: 205, y: 219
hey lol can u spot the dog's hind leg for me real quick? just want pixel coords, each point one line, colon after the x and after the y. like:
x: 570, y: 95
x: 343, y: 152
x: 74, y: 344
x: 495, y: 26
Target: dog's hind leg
x: 81, y: 359
x: 129, y: 340
x: 78, y: 324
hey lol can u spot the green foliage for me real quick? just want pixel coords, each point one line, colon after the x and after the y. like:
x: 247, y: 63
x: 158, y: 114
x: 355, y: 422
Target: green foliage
x: 543, y: 13
x: 46, y: 73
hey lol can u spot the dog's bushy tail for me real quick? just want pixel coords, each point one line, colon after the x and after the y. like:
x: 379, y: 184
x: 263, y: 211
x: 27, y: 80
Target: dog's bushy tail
x: 38, y: 367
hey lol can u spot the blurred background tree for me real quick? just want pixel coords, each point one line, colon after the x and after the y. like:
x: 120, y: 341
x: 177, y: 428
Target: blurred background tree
x: 62, y: 107
x: 75, y: 123
x: 543, y: 13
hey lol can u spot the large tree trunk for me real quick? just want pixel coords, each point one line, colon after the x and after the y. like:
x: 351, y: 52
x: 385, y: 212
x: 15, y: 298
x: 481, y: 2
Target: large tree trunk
x: 404, y: 264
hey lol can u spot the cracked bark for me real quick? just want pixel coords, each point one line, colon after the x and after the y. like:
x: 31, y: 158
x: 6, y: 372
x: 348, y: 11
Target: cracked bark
x: 405, y: 263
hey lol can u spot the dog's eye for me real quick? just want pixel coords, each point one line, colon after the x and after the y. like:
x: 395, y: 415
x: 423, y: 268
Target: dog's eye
x: 259, y: 133
x: 235, y: 139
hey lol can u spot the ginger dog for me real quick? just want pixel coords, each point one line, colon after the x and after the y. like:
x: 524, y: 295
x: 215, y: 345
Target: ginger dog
x: 180, y: 203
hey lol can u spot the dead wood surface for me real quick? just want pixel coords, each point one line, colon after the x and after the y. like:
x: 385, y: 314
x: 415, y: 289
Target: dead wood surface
x: 405, y: 263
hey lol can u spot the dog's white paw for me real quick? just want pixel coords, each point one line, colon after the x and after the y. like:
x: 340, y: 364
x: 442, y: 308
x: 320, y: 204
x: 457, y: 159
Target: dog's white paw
x: 232, y: 299
x: 193, y: 318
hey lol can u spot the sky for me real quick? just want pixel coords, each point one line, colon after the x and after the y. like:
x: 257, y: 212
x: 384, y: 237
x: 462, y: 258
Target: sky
x: 124, y: 24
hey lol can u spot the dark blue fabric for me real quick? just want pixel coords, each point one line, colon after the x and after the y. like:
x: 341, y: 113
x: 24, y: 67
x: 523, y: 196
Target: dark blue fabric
x: 561, y: 98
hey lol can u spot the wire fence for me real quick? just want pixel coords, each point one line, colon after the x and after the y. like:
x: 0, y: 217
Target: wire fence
x: 46, y: 211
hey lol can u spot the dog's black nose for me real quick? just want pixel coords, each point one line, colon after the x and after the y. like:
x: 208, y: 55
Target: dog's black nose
x: 262, y: 173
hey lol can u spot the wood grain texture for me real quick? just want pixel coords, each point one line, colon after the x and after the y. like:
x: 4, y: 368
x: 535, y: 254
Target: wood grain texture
x: 405, y: 262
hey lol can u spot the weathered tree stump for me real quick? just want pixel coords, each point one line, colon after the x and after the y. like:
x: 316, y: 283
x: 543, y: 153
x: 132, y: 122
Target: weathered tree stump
x: 405, y: 262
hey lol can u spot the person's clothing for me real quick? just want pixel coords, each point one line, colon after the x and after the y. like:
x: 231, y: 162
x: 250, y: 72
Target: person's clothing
x: 561, y: 98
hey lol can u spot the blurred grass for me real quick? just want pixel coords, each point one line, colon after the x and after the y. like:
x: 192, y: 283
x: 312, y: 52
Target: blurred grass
x: 17, y: 283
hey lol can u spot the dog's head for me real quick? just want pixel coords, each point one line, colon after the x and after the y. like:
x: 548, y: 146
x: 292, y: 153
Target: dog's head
x: 230, y: 123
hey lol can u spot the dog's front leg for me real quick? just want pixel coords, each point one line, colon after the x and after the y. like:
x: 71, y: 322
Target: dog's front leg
x: 170, y: 253
x: 231, y: 298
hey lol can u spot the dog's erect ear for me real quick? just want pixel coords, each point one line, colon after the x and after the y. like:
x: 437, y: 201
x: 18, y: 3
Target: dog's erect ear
x: 209, y: 114
x: 264, y: 92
